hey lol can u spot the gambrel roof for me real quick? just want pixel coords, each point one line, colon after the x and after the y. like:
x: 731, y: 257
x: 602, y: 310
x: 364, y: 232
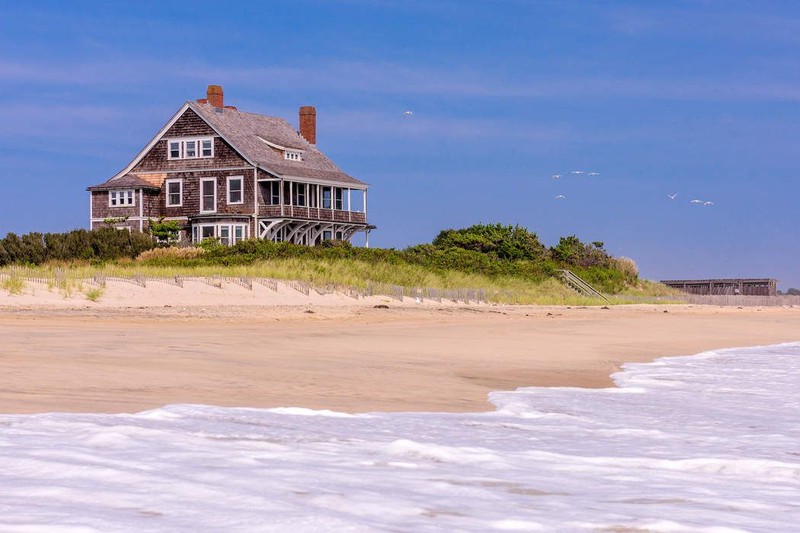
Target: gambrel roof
x: 260, y: 140
x: 251, y: 135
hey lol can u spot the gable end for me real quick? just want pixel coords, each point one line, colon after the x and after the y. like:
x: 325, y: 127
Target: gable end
x: 189, y: 125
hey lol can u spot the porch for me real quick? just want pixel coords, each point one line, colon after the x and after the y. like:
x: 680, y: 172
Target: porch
x: 309, y: 213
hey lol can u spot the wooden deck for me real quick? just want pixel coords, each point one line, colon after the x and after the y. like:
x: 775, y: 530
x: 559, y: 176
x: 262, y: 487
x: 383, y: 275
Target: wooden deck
x: 729, y: 286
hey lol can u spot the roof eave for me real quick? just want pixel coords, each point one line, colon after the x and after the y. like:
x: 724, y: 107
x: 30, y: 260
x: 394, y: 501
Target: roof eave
x: 346, y: 184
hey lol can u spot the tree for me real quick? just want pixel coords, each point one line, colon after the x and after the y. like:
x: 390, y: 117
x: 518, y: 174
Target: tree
x: 571, y: 251
x: 165, y: 232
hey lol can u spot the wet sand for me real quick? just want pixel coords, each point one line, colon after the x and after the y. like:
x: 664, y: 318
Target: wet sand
x: 326, y: 355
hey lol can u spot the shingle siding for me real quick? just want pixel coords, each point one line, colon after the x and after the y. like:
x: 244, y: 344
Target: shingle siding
x: 156, y: 159
x: 101, y: 209
x: 191, y: 193
x: 189, y: 125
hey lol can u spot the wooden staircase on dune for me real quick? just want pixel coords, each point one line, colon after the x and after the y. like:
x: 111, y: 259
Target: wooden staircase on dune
x: 574, y: 282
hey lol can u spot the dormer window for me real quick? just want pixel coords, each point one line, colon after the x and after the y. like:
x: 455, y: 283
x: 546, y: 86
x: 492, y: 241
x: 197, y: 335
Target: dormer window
x: 290, y: 154
x: 194, y: 148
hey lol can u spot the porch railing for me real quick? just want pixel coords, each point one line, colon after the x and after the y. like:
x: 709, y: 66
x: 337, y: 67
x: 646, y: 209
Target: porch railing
x: 312, y: 213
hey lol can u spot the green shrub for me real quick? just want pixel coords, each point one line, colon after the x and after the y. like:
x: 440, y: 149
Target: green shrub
x: 105, y: 244
x: 496, y: 240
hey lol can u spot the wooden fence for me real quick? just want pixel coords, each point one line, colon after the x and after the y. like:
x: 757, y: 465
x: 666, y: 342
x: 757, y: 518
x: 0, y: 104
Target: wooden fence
x: 59, y: 279
x: 740, y: 300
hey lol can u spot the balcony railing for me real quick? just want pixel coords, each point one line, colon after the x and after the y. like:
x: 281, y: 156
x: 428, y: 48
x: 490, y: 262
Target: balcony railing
x: 312, y: 213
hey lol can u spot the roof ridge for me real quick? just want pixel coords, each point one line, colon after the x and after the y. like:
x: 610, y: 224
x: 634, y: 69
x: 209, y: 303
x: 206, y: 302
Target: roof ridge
x: 237, y: 110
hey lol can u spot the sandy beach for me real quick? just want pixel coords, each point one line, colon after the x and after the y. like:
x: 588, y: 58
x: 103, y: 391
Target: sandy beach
x: 139, y: 348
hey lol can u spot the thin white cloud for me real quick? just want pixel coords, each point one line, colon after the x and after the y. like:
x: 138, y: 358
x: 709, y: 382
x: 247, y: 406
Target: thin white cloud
x: 388, y: 78
x: 430, y: 128
x: 732, y: 22
x: 395, y: 79
x: 57, y: 120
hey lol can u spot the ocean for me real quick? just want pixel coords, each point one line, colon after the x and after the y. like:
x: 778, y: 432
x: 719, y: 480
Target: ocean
x: 703, y: 443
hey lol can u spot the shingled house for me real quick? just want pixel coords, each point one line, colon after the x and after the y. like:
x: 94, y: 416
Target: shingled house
x: 230, y: 175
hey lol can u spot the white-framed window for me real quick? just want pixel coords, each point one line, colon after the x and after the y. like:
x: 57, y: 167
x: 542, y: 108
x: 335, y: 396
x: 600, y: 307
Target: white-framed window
x: 174, y: 148
x: 190, y: 148
x: 274, y: 193
x: 299, y: 194
x: 206, y: 147
x: 224, y: 234
x: 339, y: 202
x: 228, y: 234
x: 326, y: 197
x: 292, y: 155
x: 174, y: 192
x: 235, y: 189
x: 208, y: 195
x: 122, y: 198
x: 313, y: 191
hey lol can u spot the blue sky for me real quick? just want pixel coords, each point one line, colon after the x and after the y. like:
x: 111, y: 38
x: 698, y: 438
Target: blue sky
x: 697, y: 98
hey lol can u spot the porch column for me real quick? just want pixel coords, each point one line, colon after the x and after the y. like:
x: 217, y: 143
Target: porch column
x: 255, y: 202
x: 281, y: 195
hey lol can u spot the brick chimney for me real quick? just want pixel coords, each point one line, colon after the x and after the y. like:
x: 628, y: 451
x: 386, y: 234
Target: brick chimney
x: 308, y: 123
x: 214, y: 95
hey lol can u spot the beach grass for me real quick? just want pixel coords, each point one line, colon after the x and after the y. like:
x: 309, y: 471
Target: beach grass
x: 13, y: 284
x: 93, y: 293
x: 343, y: 273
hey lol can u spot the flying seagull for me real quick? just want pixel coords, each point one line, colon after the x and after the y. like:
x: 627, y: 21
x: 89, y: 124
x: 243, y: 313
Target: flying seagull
x: 672, y: 196
x: 593, y: 174
x: 408, y: 113
x: 561, y: 197
x: 695, y: 201
x: 577, y: 172
x: 708, y: 203
x: 556, y: 176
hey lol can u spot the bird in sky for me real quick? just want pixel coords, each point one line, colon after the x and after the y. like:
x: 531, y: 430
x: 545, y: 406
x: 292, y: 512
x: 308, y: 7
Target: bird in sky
x: 593, y: 174
x: 672, y: 196
x: 696, y: 201
x: 561, y: 197
x: 556, y: 176
x: 577, y: 172
x: 708, y: 203
x: 407, y: 113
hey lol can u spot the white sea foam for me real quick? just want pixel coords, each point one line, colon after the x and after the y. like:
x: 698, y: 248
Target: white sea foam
x: 708, y: 443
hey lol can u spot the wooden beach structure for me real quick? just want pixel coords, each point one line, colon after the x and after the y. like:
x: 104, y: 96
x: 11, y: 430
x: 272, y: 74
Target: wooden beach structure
x: 229, y: 175
x: 732, y: 286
